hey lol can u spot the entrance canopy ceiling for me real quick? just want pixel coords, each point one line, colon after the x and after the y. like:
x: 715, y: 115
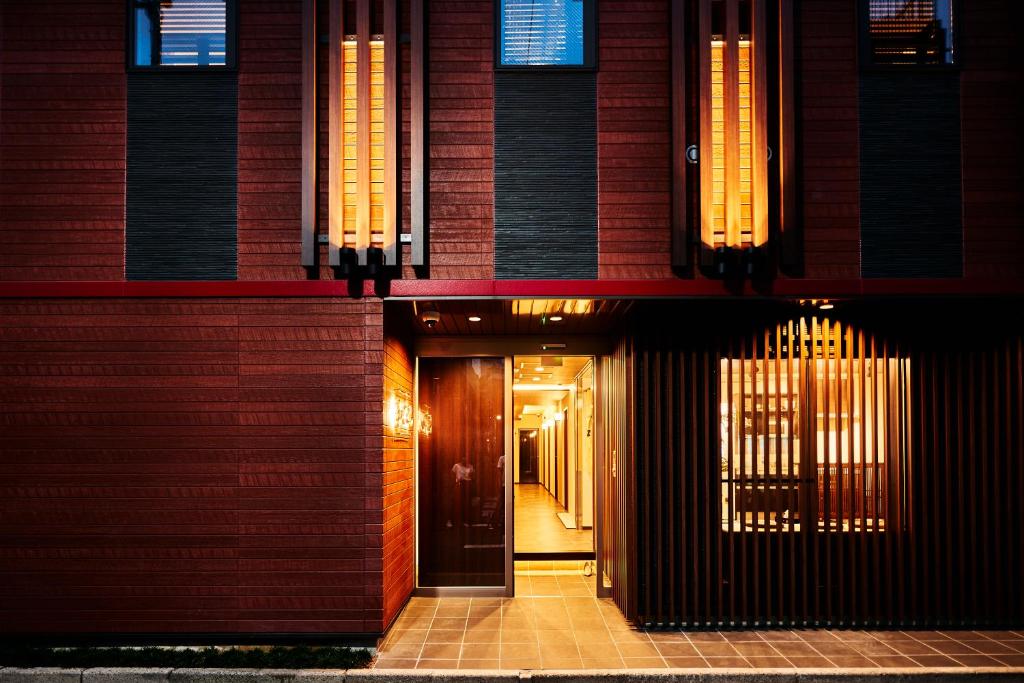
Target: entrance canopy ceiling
x: 517, y: 316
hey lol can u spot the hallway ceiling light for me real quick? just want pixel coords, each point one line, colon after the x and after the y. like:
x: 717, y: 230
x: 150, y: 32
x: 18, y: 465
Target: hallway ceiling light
x: 539, y: 368
x: 541, y: 387
x: 555, y: 318
x: 474, y: 318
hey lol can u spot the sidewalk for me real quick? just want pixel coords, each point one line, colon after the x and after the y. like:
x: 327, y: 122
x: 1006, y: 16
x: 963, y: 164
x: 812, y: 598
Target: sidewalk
x: 555, y: 623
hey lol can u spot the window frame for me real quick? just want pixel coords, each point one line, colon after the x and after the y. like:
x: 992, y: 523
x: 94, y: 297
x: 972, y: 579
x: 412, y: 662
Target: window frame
x: 864, y: 54
x: 230, y: 45
x: 589, y: 44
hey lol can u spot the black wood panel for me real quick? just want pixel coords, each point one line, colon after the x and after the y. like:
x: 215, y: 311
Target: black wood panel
x: 545, y: 175
x: 910, y: 194
x: 182, y: 176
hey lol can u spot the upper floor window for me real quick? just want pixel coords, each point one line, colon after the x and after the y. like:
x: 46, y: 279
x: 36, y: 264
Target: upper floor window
x: 555, y: 33
x: 181, y: 33
x: 909, y: 31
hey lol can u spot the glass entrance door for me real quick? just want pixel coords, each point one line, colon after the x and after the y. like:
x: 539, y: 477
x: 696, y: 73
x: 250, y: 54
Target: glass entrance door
x: 461, y: 481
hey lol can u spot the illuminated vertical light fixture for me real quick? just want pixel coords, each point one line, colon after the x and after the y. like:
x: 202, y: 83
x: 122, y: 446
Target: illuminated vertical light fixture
x: 733, y: 124
x: 363, y: 133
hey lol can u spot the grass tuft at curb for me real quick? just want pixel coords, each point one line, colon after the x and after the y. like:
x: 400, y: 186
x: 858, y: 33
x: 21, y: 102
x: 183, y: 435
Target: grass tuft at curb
x: 300, y: 657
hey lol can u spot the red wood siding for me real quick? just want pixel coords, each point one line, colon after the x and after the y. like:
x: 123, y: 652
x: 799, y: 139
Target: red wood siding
x: 461, y: 103
x: 191, y: 465
x: 634, y: 137
x: 269, y: 139
x: 827, y: 134
x: 62, y: 140
x: 398, y: 487
x: 993, y: 201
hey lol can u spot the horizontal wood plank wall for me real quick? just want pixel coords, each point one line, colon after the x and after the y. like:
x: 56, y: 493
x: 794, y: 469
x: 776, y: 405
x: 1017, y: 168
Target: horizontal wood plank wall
x: 197, y: 465
x: 952, y: 550
x: 826, y: 104
x: 634, y: 139
x: 991, y: 140
x: 461, y: 104
x: 62, y: 141
x: 399, y: 485
x: 269, y: 140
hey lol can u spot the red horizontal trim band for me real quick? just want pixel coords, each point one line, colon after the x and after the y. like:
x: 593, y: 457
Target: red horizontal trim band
x: 808, y: 288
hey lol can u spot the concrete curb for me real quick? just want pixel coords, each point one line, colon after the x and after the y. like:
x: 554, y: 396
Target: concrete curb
x: 132, y: 675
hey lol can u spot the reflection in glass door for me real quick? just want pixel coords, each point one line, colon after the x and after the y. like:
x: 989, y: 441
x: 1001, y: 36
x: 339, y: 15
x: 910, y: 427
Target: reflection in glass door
x: 461, y: 490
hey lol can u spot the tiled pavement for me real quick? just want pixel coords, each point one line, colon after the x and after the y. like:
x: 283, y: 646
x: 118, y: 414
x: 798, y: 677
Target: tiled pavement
x: 549, y: 629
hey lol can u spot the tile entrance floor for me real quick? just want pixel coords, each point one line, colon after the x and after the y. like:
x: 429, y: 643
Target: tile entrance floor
x: 545, y: 631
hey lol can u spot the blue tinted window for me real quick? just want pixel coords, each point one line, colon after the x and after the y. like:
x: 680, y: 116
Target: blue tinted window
x: 542, y: 33
x: 180, y: 32
x: 911, y: 31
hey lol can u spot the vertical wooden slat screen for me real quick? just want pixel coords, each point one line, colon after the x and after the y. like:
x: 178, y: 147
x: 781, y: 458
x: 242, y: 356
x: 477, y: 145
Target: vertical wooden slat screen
x: 706, y: 152
x: 821, y: 471
x: 419, y: 166
x: 680, y: 241
x: 363, y: 131
x: 336, y: 134
x: 309, y: 133
x: 619, y: 558
x: 758, y: 124
x: 789, y: 227
x: 363, y: 104
x: 389, y: 227
x: 745, y: 102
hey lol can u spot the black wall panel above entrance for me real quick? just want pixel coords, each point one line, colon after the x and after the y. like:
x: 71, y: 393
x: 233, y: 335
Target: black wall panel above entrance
x: 545, y: 175
x: 910, y: 179
x: 182, y: 176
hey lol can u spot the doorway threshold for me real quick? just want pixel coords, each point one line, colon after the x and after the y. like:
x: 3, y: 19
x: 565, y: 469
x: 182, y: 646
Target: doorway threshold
x: 567, y: 555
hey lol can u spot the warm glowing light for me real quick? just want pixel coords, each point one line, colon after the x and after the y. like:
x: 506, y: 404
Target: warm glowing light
x: 473, y: 318
x: 558, y: 417
x: 497, y: 417
x: 398, y: 413
x: 426, y: 420
x: 555, y: 318
x: 826, y: 306
x: 351, y: 218
x: 539, y: 368
x: 541, y: 387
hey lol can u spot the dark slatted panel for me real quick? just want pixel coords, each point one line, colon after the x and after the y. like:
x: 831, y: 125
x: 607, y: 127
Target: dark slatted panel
x: 910, y: 197
x: 619, y: 558
x: 906, y: 512
x: 545, y: 175
x: 182, y: 178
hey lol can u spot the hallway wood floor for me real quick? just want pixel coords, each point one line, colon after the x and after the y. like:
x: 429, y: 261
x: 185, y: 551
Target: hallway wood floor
x: 538, y: 529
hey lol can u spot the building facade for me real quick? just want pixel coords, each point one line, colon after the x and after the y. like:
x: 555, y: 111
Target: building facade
x: 294, y: 292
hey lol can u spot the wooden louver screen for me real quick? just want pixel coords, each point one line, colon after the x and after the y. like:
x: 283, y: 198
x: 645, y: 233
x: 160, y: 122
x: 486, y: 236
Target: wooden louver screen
x: 733, y: 123
x: 814, y: 430
x: 363, y: 133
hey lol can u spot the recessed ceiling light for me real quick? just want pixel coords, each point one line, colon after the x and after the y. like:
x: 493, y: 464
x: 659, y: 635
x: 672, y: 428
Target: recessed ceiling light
x: 826, y: 306
x: 536, y: 379
x: 474, y: 318
x: 555, y: 318
x: 539, y: 368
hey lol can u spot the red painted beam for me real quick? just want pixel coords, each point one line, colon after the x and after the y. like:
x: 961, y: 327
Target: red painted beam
x: 508, y: 289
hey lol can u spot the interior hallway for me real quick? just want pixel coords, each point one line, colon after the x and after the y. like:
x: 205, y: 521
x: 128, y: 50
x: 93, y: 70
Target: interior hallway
x: 537, y: 527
